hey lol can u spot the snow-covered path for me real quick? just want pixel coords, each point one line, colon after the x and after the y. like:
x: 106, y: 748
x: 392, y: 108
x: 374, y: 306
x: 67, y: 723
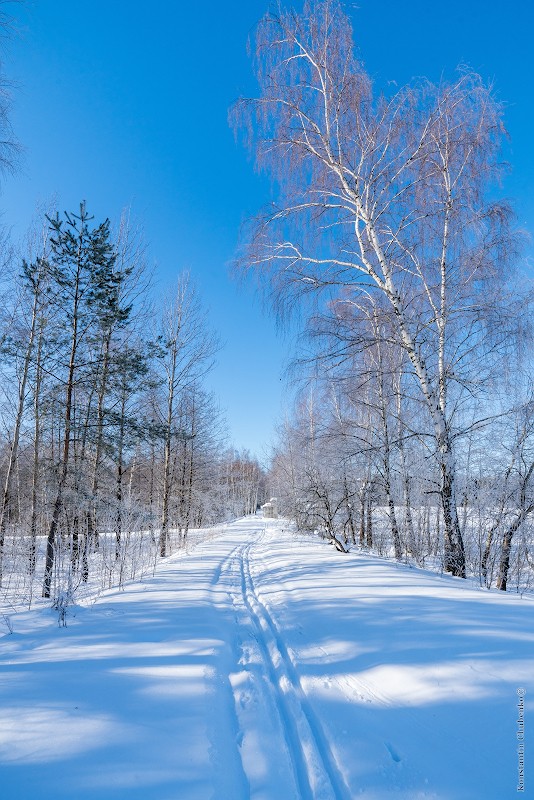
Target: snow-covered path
x: 257, y: 667
x: 294, y: 745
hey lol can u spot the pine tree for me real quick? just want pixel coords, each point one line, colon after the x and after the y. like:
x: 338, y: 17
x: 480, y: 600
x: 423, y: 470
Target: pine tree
x: 83, y: 285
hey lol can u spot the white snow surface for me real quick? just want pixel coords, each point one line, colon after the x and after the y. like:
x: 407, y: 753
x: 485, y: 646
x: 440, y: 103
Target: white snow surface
x: 264, y: 665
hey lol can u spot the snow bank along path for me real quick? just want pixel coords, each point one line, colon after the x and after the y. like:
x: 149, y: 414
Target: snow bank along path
x: 259, y: 666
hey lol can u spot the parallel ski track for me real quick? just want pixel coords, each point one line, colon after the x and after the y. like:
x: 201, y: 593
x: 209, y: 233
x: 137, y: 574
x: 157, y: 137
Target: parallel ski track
x: 316, y: 772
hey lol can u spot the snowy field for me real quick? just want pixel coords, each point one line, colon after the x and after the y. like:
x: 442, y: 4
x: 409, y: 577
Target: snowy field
x: 267, y: 666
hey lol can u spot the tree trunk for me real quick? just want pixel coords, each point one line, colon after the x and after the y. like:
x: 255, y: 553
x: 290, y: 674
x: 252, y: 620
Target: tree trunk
x: 58, y: 504
x: 369, y: 526
x: 348, y: 508
x: 36, y: 452
x: 362, y: 517
x: 508, y: 535
x: 524, y: 512
x: 167, y: 466
x: 120, y: 471
x: 5, y: 505
x: 454, y: 554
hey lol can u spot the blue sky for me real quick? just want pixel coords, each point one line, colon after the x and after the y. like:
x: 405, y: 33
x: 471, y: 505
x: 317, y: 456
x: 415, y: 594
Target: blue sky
x: 125, y: 103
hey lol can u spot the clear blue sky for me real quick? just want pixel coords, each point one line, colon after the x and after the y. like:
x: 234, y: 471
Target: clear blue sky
x: 123, y: 102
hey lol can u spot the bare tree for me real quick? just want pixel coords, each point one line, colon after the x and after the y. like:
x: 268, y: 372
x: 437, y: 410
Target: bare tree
x: 383, y: 196
x: 188, y: 350
x: 9, y: 147
x: 512, y: 497
x: 35, y: 276
x: 245, y: 482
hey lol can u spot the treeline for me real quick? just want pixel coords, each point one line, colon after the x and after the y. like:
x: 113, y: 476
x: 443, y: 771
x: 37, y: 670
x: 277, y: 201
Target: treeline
x: 112, y: 448
x: 356, y: 464
x: 387, y: 232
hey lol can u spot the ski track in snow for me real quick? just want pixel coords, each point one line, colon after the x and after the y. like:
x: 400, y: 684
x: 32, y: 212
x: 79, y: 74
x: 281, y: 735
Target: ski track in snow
x: 315, y: 771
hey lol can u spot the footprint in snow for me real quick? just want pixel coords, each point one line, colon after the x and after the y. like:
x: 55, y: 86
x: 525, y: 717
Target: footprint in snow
x: 392, y: 752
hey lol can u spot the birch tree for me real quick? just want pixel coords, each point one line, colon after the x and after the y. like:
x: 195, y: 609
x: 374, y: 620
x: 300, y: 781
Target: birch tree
x: 384, y: 196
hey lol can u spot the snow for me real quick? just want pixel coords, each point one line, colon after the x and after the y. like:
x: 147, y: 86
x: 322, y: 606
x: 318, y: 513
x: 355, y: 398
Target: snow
x: 268, y: 665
